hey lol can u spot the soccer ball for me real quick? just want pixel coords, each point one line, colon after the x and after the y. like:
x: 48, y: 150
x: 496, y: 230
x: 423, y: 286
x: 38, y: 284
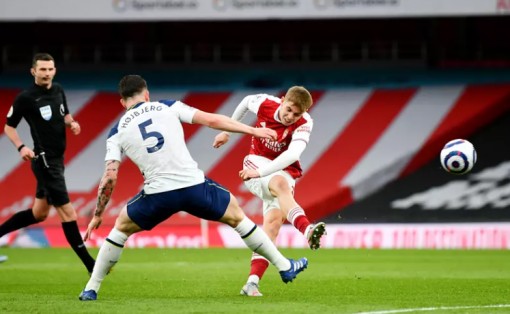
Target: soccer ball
x: 458, y: 156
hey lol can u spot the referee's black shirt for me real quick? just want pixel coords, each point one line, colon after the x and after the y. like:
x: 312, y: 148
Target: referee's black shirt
x: 44, y: 110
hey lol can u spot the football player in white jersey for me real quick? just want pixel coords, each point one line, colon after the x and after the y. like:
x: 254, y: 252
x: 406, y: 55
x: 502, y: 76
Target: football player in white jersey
x: 272, y: 166
x: 151, y: 135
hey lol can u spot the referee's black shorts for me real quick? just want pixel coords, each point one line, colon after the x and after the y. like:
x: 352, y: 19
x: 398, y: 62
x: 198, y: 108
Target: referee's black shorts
x: 51, y: 181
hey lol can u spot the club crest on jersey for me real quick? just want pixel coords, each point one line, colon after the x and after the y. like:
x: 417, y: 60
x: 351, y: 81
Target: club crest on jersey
x: 62, y: 111
x: 46, y: 112
x: 285, y: 133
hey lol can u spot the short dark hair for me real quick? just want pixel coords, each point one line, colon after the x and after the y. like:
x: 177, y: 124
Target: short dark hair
x: 41, y: 56
x: 131, y: 85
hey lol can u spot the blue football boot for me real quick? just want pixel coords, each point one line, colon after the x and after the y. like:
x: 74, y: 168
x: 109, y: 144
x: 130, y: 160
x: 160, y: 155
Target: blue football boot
x: 89, y: 295
x: 295, y: 268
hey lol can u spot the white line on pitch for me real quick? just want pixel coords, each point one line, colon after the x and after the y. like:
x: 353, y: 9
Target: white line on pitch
x: 423, y: 309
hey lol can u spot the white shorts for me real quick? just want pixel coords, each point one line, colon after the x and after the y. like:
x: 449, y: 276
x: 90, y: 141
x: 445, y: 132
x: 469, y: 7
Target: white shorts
x: 260, y: 186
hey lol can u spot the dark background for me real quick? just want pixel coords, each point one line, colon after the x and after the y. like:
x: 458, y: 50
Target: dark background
x: 330, y: 52
x: 479, y: 204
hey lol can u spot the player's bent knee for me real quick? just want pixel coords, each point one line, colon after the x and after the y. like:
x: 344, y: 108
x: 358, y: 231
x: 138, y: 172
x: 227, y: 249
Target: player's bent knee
x: 233, y: 215
x: 125, y: 225
x: 278, y: 185
x: 40, y: 218
x: 40, y: 215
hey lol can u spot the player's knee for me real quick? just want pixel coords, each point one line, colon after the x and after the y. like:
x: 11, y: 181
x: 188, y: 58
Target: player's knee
x: 279, y: 185
x: 125, y: 225
x: 40, y: 216
x: 233, y: 216
x: 67, y: 212
x: 238, y: 215
x: 40, y: 212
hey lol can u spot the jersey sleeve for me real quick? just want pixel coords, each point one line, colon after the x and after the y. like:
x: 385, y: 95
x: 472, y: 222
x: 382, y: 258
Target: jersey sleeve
x: 184, y: 112
x: 249, y: 103
x: 64, y: 99
x: 291, y: 155
x: 302, y: 133
x: 113, y: 148
x: 15, y: 113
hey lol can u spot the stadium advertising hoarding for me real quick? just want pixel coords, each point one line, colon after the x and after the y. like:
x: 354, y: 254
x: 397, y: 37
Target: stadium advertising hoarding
x: 134, y: 10
x: 344, y: 236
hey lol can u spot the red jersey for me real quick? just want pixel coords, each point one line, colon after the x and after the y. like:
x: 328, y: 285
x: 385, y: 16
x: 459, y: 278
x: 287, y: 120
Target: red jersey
x: 267, y: 116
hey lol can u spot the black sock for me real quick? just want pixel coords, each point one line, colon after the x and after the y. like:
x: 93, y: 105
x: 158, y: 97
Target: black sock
x: 74, y: 239
x: 17, y: 221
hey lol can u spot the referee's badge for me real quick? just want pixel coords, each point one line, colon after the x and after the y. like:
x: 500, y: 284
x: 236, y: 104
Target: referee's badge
x: 46, y: 112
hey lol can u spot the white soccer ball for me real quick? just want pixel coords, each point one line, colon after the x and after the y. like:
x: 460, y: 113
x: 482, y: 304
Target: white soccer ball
x: 458, y: 156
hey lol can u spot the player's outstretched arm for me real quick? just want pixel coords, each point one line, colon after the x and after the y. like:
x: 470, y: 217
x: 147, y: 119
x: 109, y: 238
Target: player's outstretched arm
x: 238, y: 115
x: 104, y: 193
x: 221, y: 122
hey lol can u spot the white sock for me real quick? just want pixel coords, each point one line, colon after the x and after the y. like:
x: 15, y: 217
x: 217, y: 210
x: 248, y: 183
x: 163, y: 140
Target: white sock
x: 108, y: 255
x: 253, y: 278
x: 258, y: 241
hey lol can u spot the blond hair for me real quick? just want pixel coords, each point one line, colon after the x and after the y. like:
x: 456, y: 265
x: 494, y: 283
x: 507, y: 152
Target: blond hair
x: 300, y: 97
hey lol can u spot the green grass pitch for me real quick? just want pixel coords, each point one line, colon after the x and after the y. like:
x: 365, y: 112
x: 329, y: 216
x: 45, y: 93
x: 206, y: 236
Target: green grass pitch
x: 209, y: 281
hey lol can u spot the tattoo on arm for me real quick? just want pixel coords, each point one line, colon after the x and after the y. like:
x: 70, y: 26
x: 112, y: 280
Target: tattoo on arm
x: 106, y: 186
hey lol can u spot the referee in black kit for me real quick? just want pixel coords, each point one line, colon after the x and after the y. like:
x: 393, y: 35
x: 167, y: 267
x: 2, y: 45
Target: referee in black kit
x: 44, y: 107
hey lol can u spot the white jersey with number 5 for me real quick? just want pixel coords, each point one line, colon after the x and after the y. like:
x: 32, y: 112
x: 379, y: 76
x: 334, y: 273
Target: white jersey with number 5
x: 151, y: 135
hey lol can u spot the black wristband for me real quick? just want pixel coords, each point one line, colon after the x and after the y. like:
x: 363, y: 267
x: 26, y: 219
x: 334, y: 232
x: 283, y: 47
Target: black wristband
x: 21, y: 147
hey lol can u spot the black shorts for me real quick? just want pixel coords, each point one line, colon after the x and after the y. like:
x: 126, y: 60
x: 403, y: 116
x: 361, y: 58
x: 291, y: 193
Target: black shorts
x: 51, y: 183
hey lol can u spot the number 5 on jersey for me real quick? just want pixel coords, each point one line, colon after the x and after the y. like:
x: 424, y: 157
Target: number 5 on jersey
x: 145, y: 135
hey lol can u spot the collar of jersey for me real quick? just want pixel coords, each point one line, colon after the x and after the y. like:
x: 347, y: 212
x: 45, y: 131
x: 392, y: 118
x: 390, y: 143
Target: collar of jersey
x: 43, y: 88
x: 277, y: 114
x: 136, y: 105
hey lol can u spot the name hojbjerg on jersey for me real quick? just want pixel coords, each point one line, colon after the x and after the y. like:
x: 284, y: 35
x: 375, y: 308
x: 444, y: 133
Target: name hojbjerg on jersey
x: 138, y: 112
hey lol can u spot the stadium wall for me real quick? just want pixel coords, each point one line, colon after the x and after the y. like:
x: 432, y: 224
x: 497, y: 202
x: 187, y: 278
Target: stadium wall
x: 363, y: 140
x: 431, y: 195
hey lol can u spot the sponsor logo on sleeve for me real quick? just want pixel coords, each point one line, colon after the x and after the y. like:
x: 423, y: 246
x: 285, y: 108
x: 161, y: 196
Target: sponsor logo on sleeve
x: 9, y: 114
x: 303, y: 128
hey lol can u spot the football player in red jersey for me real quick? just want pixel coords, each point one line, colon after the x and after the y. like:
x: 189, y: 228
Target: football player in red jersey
x: 272, y: 167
